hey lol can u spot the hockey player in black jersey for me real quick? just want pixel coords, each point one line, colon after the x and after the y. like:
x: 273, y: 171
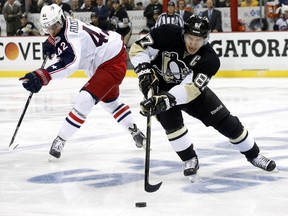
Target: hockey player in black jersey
x: 177, y: 67
x: 120, y: 22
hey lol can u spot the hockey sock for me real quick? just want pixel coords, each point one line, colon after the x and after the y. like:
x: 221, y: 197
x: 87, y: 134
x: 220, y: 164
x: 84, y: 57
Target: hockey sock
x: 181, y: 143
x: 121, y: 113
x: 76, y: 117
x: 252, y: 153
x: 244, y: 142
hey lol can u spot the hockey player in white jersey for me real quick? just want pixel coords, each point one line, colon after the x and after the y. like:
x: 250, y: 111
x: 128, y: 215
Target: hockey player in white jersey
x: 282, y: 23
x: 100, y: 54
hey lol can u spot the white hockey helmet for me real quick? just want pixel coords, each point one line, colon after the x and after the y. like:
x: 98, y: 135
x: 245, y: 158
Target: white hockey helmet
x: 51, y: 14
x: 284, y: 8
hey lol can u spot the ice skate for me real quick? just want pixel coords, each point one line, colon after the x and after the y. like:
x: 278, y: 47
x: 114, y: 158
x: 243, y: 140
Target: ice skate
x: 190, y: 168
x: 264, y: 163
x: 138, y: 137
x: 56, y: 148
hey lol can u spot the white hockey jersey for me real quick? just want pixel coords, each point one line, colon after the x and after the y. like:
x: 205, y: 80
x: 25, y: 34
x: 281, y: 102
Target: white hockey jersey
x: 81, y: 46
x: 282, y: 24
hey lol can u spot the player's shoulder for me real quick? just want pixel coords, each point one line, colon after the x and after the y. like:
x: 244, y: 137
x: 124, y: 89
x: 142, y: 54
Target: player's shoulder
x: 169, y: 29
x: 73, y: 25
x: 167, y: 32
x: 209, y: 54
x: 207, y: 61
x: 72, y: 20
x: 167, y: 36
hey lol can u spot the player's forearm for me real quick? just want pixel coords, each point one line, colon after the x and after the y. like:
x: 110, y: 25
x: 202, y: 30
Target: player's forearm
x: 138, y: 55
x: 185, y: 93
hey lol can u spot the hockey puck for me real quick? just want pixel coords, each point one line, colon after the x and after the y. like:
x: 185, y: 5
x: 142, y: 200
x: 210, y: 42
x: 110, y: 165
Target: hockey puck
x: 140, y: 204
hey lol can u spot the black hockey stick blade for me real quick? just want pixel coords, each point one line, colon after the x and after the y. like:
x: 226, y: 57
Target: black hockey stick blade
x: 147, y: 186
x: 152, y: 188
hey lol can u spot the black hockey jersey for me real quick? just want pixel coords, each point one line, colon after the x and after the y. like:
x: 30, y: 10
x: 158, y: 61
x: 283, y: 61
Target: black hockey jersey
x: 117, y: 18
x: 171, y: 59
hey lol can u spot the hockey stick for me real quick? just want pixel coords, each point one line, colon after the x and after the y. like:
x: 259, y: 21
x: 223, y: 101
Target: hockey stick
x: 148, y: 187
x: 13, y: 146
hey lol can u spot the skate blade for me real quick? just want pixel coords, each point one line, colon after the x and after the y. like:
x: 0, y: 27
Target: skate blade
x: 275, y: 170
x: 193, y: 178
x: 52, y: 159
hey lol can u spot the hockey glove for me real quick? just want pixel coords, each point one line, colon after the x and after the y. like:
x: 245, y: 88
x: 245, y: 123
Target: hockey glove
x: 147, y: 79
x: 34, y: 81
x: 157, y: 103
x: 49, y: 48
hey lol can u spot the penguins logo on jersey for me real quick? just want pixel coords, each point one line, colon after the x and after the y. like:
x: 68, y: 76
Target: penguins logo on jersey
x: 174, y: 70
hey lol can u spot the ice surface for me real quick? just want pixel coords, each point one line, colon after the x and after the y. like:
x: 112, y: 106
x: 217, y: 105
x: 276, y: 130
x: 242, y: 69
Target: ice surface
x: 101, y: 172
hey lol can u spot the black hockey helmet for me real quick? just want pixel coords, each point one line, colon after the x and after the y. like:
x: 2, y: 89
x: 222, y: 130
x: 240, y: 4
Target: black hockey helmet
x: 197, y: 25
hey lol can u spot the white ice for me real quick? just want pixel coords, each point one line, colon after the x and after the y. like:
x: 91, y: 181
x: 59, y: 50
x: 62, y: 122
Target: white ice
x: 101, y: 172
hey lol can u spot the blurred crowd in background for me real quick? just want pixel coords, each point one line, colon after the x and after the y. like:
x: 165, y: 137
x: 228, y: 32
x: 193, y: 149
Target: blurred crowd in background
x: 112, y: 15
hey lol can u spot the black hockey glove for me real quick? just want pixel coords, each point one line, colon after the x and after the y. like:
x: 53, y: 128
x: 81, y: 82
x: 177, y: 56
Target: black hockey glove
x: 34, y: 81
x: 158, y: 103
x: 49, y: 48
x: 147, y: 79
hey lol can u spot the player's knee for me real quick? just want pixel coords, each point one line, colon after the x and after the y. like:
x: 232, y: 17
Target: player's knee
x: 112, y: 106
x: 231, y: 127
x: 84, y: 103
